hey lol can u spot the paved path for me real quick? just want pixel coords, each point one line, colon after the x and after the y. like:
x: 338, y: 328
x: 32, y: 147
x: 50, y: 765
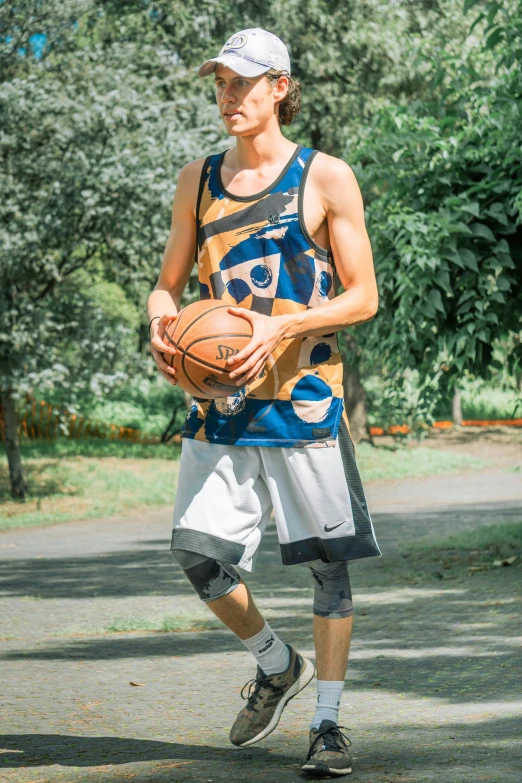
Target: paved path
x: 433, y: 688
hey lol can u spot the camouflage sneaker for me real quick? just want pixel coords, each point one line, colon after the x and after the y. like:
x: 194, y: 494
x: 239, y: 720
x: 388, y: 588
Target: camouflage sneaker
x: 267, y: 697
x: 328, y: 754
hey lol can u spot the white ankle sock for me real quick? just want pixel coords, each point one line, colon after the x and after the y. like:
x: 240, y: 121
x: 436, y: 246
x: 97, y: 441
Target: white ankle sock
x: 329, y: 694
x: 270, y: 652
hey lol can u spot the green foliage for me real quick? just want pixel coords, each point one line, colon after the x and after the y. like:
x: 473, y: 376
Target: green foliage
x: 92, y: 135
x: 483, y: 401
x: 443, y: 180
x: 143, y: 403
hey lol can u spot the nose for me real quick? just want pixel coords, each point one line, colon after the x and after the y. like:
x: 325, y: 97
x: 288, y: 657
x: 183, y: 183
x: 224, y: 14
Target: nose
x: 227, y: 95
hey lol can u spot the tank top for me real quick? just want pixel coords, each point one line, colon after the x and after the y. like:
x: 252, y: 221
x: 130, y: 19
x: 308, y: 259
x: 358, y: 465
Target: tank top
x: 255, y: 252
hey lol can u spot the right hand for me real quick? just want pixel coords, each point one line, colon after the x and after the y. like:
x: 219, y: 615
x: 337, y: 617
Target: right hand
x: 158, y: 347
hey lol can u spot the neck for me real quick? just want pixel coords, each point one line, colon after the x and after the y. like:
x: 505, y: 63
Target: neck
x: 258, y: 150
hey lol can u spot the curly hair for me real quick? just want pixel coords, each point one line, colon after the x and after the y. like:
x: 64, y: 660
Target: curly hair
x: 291, y: 103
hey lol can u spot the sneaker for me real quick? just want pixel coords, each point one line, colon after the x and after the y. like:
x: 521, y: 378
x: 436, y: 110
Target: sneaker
x: 328, y: 754
x: 267, y: 697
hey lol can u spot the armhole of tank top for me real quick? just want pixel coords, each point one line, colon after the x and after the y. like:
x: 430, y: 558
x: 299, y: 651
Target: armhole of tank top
x: 300, y: 209
x: 202, y: 180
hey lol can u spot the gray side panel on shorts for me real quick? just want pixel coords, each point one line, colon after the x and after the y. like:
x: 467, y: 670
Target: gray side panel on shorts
x: 363, y: 543
x: 205, y: 544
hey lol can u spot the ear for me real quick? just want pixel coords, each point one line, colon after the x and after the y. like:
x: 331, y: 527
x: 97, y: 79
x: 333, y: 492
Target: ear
x: 280, y: 88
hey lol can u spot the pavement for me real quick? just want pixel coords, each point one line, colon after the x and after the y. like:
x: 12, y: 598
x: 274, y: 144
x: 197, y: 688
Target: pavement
x: 432, y: 689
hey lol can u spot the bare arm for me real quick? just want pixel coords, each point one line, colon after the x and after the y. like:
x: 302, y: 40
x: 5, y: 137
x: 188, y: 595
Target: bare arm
x: 165, y: 300
x: 352, y: 255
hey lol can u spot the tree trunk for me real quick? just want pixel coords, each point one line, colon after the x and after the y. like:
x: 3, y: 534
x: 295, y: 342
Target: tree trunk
x: 457, y: 407
x: 12, y: 447
x: 355, y: 401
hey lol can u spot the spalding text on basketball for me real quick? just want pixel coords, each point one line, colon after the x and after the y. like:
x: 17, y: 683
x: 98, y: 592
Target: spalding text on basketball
x: 226, y: 351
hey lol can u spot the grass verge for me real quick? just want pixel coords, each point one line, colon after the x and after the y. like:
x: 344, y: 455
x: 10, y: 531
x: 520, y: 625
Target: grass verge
x: 102, y: 479
x: 74, y: 480
x: 411, y: 462
x: 481, y: 549
x: 176, y: 623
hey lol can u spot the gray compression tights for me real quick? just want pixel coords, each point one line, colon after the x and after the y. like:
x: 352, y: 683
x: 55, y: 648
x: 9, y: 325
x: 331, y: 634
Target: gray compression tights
x: 212, y: 579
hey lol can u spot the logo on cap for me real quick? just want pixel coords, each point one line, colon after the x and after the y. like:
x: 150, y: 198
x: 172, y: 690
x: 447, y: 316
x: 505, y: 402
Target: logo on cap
x: 236, y: 42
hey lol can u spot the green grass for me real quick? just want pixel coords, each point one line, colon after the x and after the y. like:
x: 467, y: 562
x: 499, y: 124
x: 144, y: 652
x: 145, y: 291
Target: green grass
x: 177, y: 623
x: 502, y: 539
x: 98, y: 447
x: 74, y: 480
x: 103, y: 479
x: 414, y: 462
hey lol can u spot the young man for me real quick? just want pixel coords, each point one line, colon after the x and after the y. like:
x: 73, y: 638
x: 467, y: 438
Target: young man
x: 270, y: 247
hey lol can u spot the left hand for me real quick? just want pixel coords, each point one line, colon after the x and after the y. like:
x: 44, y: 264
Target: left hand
x: 267, y: 333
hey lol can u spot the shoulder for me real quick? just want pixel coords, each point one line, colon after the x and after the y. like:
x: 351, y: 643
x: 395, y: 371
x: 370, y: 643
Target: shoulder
x: 191, y: 172
x: 187, y: 185
x: 333, y: 177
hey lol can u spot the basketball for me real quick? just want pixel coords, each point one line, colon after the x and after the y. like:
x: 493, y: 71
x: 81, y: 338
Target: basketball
x: 205, y: 336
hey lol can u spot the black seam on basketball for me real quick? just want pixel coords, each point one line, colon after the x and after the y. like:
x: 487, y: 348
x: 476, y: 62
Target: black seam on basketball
x: 204, y: 364
x: 179, y: 320
x: 203, y: 391
x: 219, y: 307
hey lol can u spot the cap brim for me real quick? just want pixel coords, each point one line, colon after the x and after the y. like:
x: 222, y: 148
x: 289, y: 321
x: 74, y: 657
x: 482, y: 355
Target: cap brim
x: 238, y: 64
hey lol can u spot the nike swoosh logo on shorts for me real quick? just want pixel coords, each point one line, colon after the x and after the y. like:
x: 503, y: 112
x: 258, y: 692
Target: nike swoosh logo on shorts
x: 329, y: 529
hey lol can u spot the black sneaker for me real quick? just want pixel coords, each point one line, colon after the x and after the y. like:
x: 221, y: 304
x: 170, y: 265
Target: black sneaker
x: 328, y: 754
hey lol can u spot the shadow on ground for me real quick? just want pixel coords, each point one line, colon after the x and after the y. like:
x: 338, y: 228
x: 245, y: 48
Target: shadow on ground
x: 149, y: 569
x: 406, y: 749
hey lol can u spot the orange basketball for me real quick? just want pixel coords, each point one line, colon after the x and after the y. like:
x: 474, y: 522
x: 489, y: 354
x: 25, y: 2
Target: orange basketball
x: 205, y: 335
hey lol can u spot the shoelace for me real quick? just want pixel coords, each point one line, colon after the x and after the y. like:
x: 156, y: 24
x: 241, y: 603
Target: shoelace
x: 254, y: 686
x: 332, y: 739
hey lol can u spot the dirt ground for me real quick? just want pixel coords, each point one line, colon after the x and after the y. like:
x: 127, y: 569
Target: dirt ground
x: 433, y: 684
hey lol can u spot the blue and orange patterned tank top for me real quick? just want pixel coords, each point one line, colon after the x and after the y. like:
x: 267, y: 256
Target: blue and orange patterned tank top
x: 255, y: 252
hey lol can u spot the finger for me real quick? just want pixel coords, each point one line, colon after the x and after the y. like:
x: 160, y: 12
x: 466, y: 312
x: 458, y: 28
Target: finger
x: 162, y: 364
x: 158, y: 343
x: 245, y: 353
x: 252, y: 375
x: 242, y: 313
x: 162, y: 331
x: 255, y: 358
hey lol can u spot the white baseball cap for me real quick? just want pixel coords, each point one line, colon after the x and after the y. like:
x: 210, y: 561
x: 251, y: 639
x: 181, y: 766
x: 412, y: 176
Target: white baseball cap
x: 250, y: 53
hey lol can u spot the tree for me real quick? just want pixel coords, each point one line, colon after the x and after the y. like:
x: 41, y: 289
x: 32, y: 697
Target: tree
x: 443, y: 181
x: 93, y: 132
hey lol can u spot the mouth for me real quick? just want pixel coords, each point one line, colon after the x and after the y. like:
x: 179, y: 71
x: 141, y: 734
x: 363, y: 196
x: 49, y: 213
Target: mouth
x: 231, y: 115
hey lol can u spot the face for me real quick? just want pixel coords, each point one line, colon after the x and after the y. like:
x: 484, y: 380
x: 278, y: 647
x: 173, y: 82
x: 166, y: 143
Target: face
x: 246, y: 103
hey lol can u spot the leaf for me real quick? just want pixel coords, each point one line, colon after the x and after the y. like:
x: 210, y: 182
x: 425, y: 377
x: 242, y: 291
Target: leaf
x: 501, y: 246
x: 469, y: 4
x: 493, y: 39
x: 469, y: 259
x: 473, y: 208
x: 436, y: 299
x: 503, y: 283
x: 482, y: 231
x: 137, y: 684
x: 443, y: 279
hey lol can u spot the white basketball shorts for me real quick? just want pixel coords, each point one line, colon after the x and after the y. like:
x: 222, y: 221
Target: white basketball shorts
x: 226, y: 495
